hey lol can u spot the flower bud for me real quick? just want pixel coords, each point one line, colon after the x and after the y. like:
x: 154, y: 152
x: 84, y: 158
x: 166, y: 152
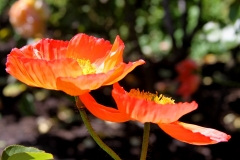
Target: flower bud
x: 28, y: 17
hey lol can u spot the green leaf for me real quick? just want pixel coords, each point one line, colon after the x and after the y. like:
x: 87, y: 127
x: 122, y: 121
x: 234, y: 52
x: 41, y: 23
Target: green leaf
x: 3, y: 5
x: 31, y: 156
x: 14, y: 89
x: 18, y: 152
x: 234, y: 12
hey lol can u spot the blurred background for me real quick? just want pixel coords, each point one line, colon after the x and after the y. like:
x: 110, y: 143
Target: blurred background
x: 192, y: 52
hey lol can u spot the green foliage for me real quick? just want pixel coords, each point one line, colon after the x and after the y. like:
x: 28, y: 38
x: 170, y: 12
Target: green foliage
x: 14, y: 89
x: 234, y: 12
x: 58, y: 10
x: 216, y: 10
x: 4, y: 4
x: 144, y: 22
x: 26, y: 104
x: 18, y: 152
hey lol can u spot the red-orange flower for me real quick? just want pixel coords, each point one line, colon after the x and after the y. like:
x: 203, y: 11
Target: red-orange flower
x: 84, y: 63
x: 188, y: 77
x: 189, y: 85
x: 186, y: 67
x: 148, y: 107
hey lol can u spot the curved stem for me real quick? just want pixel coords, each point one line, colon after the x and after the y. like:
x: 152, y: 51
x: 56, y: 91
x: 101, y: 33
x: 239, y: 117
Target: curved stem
x: 94, y: 135
x: 145, y: 141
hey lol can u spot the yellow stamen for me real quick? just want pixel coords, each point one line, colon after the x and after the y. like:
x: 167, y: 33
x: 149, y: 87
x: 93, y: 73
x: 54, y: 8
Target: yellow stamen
x: 151, y: 97
x: 87, y: 67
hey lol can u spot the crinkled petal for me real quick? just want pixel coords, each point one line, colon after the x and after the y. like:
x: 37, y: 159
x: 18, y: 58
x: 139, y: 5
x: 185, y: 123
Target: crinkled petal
x: 47, y: 49
x: 102, y: 112
x: 148, y: 111
x: 122, y: 71
x: 50, y: 49
x: 82, y: 46
x: 115, y: 55
x: 68, y: 86
x: 38, y: 72
x: 17, y: 69
x: 194, y: 134
x: 76, y: 86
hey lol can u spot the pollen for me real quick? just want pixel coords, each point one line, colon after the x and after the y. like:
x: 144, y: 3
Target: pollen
x: 87, y: 67
x: 160, y: 99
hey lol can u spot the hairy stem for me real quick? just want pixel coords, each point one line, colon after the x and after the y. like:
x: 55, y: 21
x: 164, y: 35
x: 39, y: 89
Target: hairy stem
x: 94, y: 135
x: 145, y: 141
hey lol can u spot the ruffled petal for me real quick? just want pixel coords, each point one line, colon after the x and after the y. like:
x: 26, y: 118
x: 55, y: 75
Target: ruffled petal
x: 17, y: 69
x: 76, y: 86
x: 68, y: 86
x: 122, y: 71
x: 114, y: 74
x: 115, y: 55
x: 93, y: 81
x: 50, y: 49
x: 40, y: 73
x: 47, y: 49
x: 102, y: 112
x: 148, y: 111
x: 82, y: 46
x: 194, y: 134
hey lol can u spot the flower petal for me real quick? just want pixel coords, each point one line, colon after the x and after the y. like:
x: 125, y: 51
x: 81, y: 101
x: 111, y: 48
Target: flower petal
x: 115, y: 55
x: 102, y: 112
x: 50, y: 49
x: 39, y: 72
x: 82, y: 46
x: 17, y: 69
x: 47, y: 49
x: 148, y: 111
x: 122, y: 71
x: 76, y: 86
x: 194, y: 134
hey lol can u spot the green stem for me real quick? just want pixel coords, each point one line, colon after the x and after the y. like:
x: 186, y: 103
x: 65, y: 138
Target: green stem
x: 94, y: 135
x: 145, y: 141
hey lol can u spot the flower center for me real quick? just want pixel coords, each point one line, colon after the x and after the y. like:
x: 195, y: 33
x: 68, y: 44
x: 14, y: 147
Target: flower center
x: 87, y: 67
x: 151, y: 97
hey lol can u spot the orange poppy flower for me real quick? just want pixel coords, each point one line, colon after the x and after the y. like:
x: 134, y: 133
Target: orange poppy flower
x: 148, y: 107
x: 84, y: 63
